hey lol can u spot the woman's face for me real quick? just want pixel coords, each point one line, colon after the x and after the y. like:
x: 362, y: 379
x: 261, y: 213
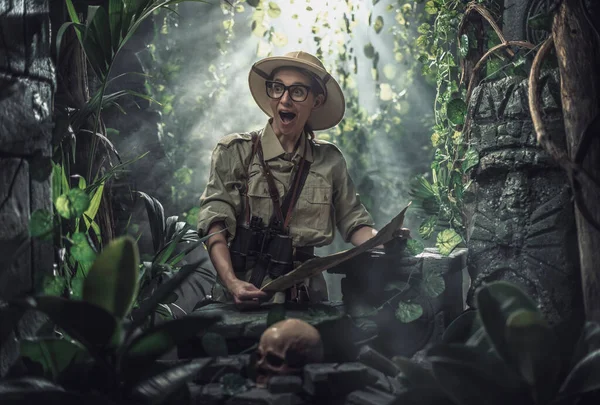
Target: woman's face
x: 289, y: 116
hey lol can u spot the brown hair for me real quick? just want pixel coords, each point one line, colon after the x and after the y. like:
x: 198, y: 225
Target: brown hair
x: 315, y: 87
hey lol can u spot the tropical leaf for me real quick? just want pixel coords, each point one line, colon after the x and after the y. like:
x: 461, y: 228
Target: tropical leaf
x: 87, y: 323
x: 470, y: 377
x: 54, y: 355
x: 414, y: 247
x: 428, y: 226
x: 408, y: 311
x: 470, y: 160
x: 81, y: 250
x: 273, y: 11
x: 530, y: 339
x: 112, y: 281
x: 447, y: 240
x: 72, y: 204
x: 433, y: 283
x: 456, y: 110
x: 496, y: 302
x: 156, y: 217
x: 115, y: 16
x: 369, y: 50
x: 585, y: 376
x: 149, y: 305
x: 463, y: 46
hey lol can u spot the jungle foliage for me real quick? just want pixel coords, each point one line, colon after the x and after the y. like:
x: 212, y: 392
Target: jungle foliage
x: 506, y: 352
x: 99, y: 352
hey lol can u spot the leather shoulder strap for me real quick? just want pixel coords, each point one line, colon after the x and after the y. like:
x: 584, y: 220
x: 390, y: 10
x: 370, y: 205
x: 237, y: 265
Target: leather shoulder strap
x: 273, y: 192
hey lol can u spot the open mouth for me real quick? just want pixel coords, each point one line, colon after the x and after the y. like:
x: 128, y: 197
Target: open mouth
x: 286, y: 117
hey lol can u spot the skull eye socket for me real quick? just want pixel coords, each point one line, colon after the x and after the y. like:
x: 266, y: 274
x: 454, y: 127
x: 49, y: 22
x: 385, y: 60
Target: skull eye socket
x: 295, y: 359
x: 274, y: 360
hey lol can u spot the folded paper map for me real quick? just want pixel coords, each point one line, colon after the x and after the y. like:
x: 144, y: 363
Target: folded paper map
x: 317, y: 265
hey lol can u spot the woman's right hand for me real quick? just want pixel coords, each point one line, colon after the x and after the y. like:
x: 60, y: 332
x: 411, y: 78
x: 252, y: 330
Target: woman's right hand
x: 245, y: 293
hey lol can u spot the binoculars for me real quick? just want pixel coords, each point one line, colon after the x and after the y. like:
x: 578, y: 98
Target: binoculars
x: 268, y: 248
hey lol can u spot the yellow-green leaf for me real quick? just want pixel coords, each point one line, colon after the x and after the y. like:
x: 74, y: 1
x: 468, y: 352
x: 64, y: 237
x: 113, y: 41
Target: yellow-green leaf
x: 447, y: 240
x: 41, y: 224
x: 378, y: 26
x: 274, y: 11
x: 72, y: 204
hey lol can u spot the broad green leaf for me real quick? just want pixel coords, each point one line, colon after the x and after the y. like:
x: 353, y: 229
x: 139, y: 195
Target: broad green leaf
x: 276, y: 314
x: 88, y: 324
x: 530, y: 339
x: 112, y: 281
x: 41, y: 224
x: 369, y: 50
x: 470, y: 160
x: 496, y: 302
x: 378, y: 26
x: 447, y: 240
x: 428, y: 226
x: 463, y: 48
x: 585, y: 376
x: 53, y: 285
x: 433, y: 283
x: 408, y: 311
x: 100, y: 32
x: 462, y: 328
x: 158, y: 340
x: 273, y: 11
x: 81, y: 250
x: 72, y: 204
x: 214, y: 345
x: 414, y: 247
x: 456, y: 110
x: 54, y: 355
x: 253, y: 3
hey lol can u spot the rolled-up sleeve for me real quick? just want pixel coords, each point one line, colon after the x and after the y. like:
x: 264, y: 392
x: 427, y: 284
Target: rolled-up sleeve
x: 350, y: 214
x: 221, y: 199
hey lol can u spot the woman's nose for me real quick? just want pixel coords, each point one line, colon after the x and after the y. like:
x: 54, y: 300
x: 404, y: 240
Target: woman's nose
x: 285, y: 98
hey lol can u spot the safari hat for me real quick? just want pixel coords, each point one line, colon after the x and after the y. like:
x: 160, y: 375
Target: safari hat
x: 332, y: 110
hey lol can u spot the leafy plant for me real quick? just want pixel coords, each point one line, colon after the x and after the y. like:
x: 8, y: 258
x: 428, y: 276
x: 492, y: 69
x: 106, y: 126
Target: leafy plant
x: 102, y: 351
x: 509, y: 354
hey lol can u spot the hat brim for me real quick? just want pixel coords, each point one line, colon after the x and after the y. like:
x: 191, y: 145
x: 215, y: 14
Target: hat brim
x: 324, y: 117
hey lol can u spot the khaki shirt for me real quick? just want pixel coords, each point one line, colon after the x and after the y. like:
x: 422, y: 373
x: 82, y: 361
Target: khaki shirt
x: 328, y: 199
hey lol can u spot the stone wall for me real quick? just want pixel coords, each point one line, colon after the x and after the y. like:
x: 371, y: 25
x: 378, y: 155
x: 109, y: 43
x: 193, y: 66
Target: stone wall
x: 26, y: 89
x: 521, y: 225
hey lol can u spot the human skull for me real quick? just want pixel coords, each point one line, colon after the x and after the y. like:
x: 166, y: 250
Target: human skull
x: 285, y: 347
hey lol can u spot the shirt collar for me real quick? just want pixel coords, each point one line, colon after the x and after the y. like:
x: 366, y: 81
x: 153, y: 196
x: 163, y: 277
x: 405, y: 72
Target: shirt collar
x: 272, y: 147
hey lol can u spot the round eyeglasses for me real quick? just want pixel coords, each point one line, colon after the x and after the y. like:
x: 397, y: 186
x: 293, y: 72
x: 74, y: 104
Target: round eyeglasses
x: 297, y: 92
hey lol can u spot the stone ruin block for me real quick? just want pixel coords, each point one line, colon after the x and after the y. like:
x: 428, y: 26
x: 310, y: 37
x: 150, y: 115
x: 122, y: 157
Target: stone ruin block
x: 370, y: 396
x: 290, y: 384
x: 332, y: 380
x: 259, y: 396
x: 223, y: 365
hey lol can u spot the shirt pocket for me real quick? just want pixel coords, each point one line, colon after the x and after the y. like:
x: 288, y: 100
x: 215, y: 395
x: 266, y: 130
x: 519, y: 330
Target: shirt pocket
x: 261, y: 203
x: 314, y: 206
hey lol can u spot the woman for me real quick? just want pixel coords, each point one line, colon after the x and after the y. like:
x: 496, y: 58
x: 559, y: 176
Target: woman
x: 252, y: 174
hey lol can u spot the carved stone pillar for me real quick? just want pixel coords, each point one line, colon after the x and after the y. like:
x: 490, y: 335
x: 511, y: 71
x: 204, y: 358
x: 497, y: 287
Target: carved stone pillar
x: 27, y: 86
x: 521, y: 226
